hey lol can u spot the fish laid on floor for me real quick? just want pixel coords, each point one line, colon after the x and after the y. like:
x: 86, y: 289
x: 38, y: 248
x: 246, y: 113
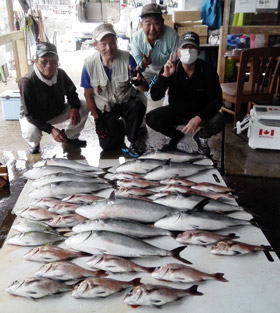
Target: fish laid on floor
x: 134, y: 209
x: 203, y: 186
x: 62, y: 189
x: 183, y: 169
x: 126, y: 192
x: 118, y: 244
x: 116, y: 264
x: 101, y: 287
x: 236, y: 248
x: 36, y: 214
x: 78, y: 166
x: 126, y: 175
x: 38, y: 172
x: 139, y: 166
x: 65, y: 270
x: 141, y: 183
x: 202, y: 238
x: 60, y: 177
x: 126, y: 227
x: 64, y: 208
x: 189, y: 201
x: 34, y: 238
x: 26, y: 225
x: 194, y: 220
x: 174, y: 156
x: 47, y: 254
x: 44, y: 203
x: 81, y: 198
x: 184, y: 274
x: 35, y: 288
x: 157, y: 296
x: 68, y: 220
x: 177, y: 181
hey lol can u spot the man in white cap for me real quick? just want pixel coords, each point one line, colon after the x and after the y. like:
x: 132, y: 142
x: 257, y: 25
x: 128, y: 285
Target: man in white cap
x: 195, y: 97
x: 113, y: 88
x: 153, y: 43
x: 42, y: 94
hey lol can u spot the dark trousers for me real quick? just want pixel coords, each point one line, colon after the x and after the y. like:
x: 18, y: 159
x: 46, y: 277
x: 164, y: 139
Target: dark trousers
x: 132, y: 113
x: 165, y: 121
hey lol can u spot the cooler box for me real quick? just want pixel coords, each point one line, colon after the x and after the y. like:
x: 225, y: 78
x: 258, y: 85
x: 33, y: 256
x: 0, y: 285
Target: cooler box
x: 10, y: 104
x: 264, y: 129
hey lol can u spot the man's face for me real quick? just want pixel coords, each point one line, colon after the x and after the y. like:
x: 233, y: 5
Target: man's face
x: 152, y: 28
x: 47, y: 65
x: 107, y: 46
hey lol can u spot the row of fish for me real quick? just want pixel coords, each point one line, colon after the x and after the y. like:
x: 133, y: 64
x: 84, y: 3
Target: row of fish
x: 113, y: 229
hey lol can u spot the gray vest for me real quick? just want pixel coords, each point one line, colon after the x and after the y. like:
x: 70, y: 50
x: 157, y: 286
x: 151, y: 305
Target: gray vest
x: 107, y: 93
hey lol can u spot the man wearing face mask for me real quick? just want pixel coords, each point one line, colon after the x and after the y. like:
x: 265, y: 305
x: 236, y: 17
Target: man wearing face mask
x: 195, y: 97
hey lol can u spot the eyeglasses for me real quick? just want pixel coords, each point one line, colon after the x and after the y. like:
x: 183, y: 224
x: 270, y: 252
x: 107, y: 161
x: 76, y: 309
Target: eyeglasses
x: 45, y: 62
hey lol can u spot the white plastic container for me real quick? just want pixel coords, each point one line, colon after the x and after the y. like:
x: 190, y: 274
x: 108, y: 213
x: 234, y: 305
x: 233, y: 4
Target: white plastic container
x: 10, y: 104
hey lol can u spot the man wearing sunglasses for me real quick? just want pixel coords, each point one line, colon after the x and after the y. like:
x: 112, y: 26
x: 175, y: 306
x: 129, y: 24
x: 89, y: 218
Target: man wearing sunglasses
x: 195, y: 97
x: 42, y: 93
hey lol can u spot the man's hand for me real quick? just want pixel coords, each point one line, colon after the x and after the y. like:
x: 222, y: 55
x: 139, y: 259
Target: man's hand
x: 58, y: 135
x: 74, y: 116
x: 192, y: 125
x: 146, y: 61
x: 100, y: 128
x: 169, y: 66
x: 135, y: 76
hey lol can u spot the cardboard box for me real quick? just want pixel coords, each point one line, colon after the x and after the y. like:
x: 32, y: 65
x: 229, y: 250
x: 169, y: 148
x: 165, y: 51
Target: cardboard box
x: 186, y: 15
x: 170, y: 24
x: 10, y: 104
x: 4, y: 178
x: 201, y: 30
x: 167, y: 17
x: 188, y: 23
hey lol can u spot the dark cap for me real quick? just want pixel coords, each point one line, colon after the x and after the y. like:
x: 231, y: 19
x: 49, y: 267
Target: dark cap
x: 45, y: 48
x: 102, y: 30
x: 151, y: 8
x: 189, y: 38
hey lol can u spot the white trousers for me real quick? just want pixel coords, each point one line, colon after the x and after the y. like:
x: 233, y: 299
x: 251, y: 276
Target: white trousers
x: 33, y: 135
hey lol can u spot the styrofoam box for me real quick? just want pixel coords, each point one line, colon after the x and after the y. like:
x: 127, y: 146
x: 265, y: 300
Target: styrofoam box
x: 10, y: 104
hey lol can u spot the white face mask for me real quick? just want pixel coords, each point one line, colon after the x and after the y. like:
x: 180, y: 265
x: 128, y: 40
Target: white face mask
x: 188, y: 56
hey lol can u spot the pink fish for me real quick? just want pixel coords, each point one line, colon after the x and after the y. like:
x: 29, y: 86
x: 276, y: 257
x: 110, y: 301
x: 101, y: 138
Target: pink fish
x: 82, y: 198
x: 208, y: 187
x: 64, y: 208
x: 141, y: 183
x: 236, y: 247
x: 177, y: 181
x: 182, y: 273
x: 133, y: 191
x: 200, y: 237
x: 36, y: 213
x: 69, y: 220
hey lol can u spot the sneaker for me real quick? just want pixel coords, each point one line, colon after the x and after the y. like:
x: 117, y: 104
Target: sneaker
x: 202, y: 145
x: 34, y: 150
x: 172, y: 145
x: 77, y: 142
x: 133, y: 151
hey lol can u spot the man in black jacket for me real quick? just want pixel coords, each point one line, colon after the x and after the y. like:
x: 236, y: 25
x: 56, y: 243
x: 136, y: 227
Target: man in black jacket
x: 42, y: 93
x: 195, y: 97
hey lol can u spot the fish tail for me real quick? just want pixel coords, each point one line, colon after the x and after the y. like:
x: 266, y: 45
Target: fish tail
x: 254, y: 223
x: 267, y: 248
x: 136, y: 281
x: 101, y: 273
x: 220, y: 277
x: 150, y: 269
x: 232, y: 236
x: 176, y: 254
x: 193, y: 290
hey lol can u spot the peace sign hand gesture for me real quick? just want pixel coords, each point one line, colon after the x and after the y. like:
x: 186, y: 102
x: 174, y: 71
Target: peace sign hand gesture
x: 169, y: 66
x: 146, y: 61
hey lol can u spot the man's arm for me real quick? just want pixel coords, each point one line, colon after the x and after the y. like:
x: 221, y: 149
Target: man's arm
x: 88, y: 92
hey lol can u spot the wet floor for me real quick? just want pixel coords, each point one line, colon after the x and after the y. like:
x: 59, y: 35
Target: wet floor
x: 253, y: 174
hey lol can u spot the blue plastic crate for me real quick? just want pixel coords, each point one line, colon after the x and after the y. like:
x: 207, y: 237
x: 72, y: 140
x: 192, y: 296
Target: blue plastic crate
x: 10, y: 104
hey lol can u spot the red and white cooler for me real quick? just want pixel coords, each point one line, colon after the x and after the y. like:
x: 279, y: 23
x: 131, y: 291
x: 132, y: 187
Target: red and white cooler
x: 263, y: 127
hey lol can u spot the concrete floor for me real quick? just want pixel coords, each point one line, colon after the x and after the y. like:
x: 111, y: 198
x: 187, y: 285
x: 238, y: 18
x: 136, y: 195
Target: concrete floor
x: 253, y: 174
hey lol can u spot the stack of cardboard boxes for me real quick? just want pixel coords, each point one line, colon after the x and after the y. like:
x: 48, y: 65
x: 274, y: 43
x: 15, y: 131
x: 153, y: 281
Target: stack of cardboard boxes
x: 185, y: 21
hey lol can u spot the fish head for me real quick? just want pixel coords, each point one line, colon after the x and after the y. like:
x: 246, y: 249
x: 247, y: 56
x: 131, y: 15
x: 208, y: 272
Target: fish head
x: 133, y: 296
x: 96, y: 259
x: 76, y: 239
x: 160, y: 271
x: 14, y: 288
x: 43, y: 270
x: 80, y: 289
x: 31, y: 253
x: 220, y: 246
x: 168, y: 220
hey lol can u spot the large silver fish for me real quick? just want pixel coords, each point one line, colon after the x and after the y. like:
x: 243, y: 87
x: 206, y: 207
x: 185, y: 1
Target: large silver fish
x: 106, y: 242
x: 34, y: 288
x: 116, y: 264
x: 183, y: 169
x: 141, y: 183
x: 237, y: 248
x: 193, y: 220
x: 47, y: 254
x: 134, y: 209
x: 157, y: 296
x: 101, y: 287
x: 174, y: 156
x: 139, y: 166
x: 184, y: 274
x: 127, y: 227
x: 60, y: 177
x: 78, y: 166
x: 65, y: 270
x: 36, y: 214
x: 62, y: 189
x: 127, y: 192
x: 26, y: 225
x: 202, y: 238
x: 34, y: 238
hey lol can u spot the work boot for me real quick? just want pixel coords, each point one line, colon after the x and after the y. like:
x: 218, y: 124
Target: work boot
x: 202, y: 145
x: 34, y: 150
x: 133, y: 150
x: 172, y: 145
x: 77, y: 142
